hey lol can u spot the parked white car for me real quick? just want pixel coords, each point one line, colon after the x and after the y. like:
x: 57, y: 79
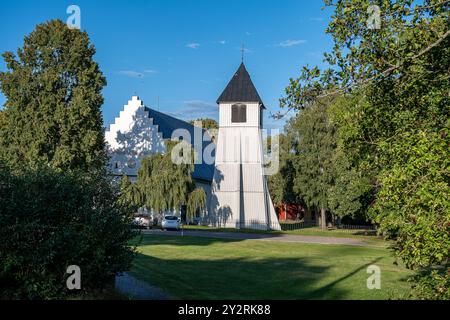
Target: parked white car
x: 171, y: 222
x: 143, y: 221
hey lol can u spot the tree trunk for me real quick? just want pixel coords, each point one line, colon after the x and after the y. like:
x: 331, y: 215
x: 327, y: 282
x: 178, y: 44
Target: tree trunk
x: 307, y: 216
x: 333, y: 220
x: 323, y: 218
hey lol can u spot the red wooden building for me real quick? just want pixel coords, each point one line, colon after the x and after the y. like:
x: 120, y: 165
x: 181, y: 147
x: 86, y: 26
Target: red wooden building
x: 290, y: 211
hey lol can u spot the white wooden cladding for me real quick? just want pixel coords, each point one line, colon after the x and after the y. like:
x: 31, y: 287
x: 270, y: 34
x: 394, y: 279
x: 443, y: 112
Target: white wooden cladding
x: 239, y: 190
x: 239, y: 145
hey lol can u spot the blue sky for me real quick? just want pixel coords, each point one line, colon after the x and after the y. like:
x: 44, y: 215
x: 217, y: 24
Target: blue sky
x: 185, y: 52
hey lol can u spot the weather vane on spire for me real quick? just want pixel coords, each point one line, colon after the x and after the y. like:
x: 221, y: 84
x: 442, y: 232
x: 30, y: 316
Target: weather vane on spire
x: 242, y: 53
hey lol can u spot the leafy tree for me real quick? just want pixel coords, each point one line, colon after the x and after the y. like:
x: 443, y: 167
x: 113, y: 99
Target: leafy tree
x: 396, y: 78
x: 352, y: 191
x: 2, y: 118
x: 314, y: 166
x: 347, y: 189
x: 210, y: 125
x: 281, y: 184
x: 414, y: 205
x: 196, y: 201
x: 53, y: 97
x: 164, y: 184
x: 57, y: 208
x: 207, y: 123
x: 130, y: 195
x: 350, y: 194
x: 50, y: 220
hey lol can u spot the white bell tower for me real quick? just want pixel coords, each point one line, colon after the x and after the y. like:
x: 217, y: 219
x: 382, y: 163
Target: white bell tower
x: 240, y: 196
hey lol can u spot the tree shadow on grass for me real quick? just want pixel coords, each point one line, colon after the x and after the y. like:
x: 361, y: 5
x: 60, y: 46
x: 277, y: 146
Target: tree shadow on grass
x: 175, y: 239
x: 230, y: 278
x: 317, y: 294
x: 237, y: 277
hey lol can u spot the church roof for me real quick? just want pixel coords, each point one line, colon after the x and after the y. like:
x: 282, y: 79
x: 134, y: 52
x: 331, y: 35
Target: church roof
x: 167, y: 125
x: 240, y: 88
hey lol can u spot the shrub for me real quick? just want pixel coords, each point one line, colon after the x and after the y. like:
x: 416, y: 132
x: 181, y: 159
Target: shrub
x: 50, y: 220
x: 432, y: 284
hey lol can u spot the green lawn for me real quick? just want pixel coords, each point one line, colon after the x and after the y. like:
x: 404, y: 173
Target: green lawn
x: 207, y: 268
x: 310, y: 231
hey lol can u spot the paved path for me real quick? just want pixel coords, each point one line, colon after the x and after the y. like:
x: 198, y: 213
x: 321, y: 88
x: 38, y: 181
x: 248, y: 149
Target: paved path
x: 260, y: 236
x: 137, y: 289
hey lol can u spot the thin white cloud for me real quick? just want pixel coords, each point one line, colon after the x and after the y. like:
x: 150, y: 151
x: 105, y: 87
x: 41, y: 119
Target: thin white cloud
x: 290, y: 43
x: 194, y: 109
x: 222, y: 42
x: 131, y: 73
x: 248, y: 33
x: 316, y: 19
x: 200, y: 105
x: 137, y: 74
x: 246, y: 50
x: 193, y: 45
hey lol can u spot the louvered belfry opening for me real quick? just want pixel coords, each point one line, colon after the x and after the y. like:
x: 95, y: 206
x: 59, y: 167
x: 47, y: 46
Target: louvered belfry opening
x: 239, y: 113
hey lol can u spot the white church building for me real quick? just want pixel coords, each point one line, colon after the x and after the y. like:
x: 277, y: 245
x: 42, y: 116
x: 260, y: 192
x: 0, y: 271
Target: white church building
x: 235, y: 183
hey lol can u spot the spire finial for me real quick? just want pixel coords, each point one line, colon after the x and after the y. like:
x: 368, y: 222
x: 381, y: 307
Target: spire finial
x: 242, y: 53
